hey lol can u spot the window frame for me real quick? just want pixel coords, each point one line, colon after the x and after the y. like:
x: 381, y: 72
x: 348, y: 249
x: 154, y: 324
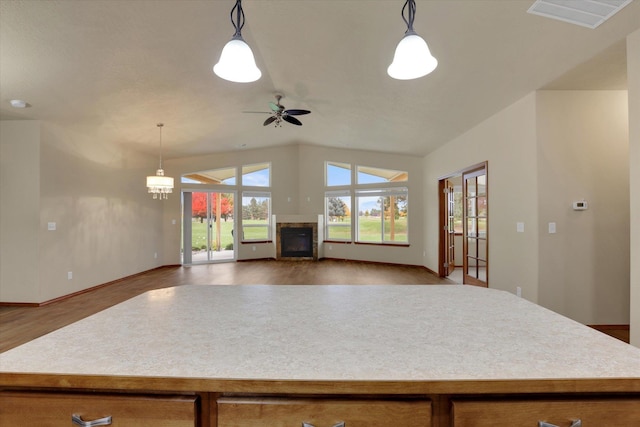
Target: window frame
x: 267, y: 225
x: 357, y: 190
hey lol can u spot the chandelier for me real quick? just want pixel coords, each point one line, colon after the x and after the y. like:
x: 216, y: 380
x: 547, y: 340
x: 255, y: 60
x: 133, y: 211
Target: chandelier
x: 159, y: 185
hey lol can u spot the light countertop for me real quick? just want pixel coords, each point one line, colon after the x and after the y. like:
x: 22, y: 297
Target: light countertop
x: 328, y: 332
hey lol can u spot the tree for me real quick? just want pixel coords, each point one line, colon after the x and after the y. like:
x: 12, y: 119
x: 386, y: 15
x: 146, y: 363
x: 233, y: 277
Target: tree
x: 199, y: 205
x: 337, y: 209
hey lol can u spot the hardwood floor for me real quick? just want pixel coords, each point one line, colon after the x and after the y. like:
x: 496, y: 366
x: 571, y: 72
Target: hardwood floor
x: 21, y: 324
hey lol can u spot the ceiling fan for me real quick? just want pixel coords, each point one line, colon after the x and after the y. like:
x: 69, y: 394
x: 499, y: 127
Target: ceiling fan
x: 278, y: 114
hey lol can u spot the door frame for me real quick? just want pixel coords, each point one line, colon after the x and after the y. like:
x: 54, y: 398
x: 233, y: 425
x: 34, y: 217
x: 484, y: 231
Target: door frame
x: 187, y: 224
x: 442, y: 218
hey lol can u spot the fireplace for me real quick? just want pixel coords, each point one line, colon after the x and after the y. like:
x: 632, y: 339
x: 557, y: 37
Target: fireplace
x: 297, y: 241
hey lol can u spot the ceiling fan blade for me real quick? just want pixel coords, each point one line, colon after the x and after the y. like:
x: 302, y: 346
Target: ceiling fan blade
x: 274, y: 106
x: 291, y: 120
x: 269, y: 121
x: 297, y: 112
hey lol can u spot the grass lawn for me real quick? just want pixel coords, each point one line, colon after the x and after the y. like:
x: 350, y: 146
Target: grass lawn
x: 369, y: 232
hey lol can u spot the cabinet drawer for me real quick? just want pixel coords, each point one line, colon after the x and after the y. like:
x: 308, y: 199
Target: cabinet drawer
x: 248, y: 412
x: 53, y: 410
x: 562, y: 413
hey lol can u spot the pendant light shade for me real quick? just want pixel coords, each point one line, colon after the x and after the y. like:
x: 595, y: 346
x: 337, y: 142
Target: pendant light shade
x: 237, y: 63
x: 159, y: 185
x: 412, y: 58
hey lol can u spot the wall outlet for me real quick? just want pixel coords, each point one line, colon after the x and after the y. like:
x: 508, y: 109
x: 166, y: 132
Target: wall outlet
x: 330, y: 247
x: 69, y: 275
x: 519, y: 292
x: 253, y: 248
x: 155, y: 255
x: 51, y: 226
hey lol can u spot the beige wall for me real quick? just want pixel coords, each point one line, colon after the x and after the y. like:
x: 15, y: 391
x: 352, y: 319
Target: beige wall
x: 508, y: 142
x: 633, y: 78
x: 298, y: 188
x: 19, y: 210
x: 107, y: 226
x: 544, y: 152
x: 582, y: 154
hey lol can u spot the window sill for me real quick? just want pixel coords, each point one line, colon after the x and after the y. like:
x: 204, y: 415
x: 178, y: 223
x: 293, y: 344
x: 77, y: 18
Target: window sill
x: 396, y: 245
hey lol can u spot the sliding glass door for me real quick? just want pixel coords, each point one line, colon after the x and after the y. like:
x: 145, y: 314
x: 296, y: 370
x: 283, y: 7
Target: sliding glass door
x: 208, y: 227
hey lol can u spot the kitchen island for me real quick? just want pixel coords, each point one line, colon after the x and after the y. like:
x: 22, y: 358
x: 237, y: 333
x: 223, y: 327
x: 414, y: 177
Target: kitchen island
x: 373, y: 355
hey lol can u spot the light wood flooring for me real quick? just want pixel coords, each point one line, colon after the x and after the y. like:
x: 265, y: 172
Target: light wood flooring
x: 21, y: 324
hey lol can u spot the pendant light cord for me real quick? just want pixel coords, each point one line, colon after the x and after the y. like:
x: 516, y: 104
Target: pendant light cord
x: 160, y: 126
x: 239, y: 22
x: 411, y: 6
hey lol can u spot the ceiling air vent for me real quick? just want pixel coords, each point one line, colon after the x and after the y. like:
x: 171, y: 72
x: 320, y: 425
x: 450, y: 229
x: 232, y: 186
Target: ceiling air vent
x: 587, y: 13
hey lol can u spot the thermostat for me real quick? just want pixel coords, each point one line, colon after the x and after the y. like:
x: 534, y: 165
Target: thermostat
x: 580, y: 205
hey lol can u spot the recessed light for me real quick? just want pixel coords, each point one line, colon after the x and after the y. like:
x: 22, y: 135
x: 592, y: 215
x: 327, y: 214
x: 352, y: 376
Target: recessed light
x: 18, y: 103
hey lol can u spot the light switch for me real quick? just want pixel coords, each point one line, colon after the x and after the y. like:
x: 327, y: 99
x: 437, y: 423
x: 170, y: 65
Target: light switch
x: 51, y: 226
x: 520, y: 227
x: 552, y: 228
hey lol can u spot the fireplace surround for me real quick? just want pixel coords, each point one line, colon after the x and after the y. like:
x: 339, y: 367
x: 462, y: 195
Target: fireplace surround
x: 297, y: 241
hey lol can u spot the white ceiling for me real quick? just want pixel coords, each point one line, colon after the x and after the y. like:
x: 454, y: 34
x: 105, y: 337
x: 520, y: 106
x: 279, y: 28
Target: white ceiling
x: 113, y: 69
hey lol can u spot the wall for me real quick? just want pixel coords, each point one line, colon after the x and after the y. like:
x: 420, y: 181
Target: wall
x: 19, y: 210
x: 582, y: 153
x: 107, y: 226
x: 508, y: 142
x: 633, y: 80
x: 298, y: 188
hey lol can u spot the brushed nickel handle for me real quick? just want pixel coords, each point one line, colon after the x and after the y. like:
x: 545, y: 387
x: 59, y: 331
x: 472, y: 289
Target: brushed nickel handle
x: 574, y: 423
x: 340, y: 424
x: 77, y: 420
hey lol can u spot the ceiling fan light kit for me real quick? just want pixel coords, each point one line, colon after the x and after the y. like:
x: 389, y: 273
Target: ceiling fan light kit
x: 237, y: 63
x: 412, y: 58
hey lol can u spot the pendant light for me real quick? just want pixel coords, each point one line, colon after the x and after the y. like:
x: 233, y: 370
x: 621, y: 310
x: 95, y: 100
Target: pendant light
x: 237, y: 63
x: 412, y: 58
x: 159, y: 185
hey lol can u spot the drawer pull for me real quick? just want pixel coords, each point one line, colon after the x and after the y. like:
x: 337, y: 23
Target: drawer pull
x: 576, y: 423
x: 77, y: 420
x: 340, y: 424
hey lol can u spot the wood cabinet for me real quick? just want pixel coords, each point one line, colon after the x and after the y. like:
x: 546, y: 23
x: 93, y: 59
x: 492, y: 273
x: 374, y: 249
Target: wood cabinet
x: 28, y: 409
x: 285, y: 412
x: 561, y: 413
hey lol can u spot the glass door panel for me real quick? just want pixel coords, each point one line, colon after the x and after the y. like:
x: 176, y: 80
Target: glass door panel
x: 208, y: 227
x: 475, y: 230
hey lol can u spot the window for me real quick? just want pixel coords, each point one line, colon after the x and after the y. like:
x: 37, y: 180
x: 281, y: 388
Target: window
x: 382, y: 215
x: 256, y: 216
x: 381, y: 206
x: 225, y: 176
x: 256, y: 175
x: 369, y: 175
x: 338, y: 174
x: 338, y: 215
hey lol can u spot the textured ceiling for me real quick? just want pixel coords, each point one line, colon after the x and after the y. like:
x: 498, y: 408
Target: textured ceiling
x: 113, y: 69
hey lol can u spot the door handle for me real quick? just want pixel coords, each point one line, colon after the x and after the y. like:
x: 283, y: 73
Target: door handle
x: 77, y: 420
x: 340, y: 424
x: 574, y: 423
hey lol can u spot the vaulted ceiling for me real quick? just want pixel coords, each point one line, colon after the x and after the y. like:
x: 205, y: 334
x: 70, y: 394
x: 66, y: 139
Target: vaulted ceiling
x: 113, y: 69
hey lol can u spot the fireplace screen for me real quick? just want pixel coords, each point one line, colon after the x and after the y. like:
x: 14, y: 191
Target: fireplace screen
x: 296, y: 242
